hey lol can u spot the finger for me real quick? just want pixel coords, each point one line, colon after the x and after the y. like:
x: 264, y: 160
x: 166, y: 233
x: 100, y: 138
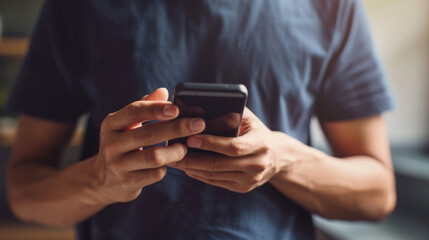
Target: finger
x: 230, y: 146
x: 142, y: 178
x: 154, y: 157
x: 153, y: 133
x: 160, y: 94
x: 229, y: 185
x: 216, y: 163
x: 233, y: 176
x: 140, y: 111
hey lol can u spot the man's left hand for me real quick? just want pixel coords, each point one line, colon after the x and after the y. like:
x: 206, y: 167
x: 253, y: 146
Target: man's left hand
x: 244, y: 162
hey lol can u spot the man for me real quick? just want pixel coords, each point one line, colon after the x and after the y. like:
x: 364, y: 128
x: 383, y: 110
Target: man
x: 297, y: 58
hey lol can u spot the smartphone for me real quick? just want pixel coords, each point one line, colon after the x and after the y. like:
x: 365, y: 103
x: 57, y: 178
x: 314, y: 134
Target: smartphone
x: 219, y: 105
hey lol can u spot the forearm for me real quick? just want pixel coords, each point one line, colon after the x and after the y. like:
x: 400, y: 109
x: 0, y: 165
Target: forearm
x: 352, y: 188
x: 53, y: 197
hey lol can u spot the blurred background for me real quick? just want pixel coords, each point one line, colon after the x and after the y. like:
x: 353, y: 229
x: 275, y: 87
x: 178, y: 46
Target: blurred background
x: 401, y: 34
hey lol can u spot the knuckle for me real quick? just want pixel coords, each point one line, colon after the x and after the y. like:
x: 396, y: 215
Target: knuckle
x: 180, y: 127
x: 177, y: 155
x: 107, y: 122
x: 258, y: 166
x: 268, y: 164
x: 215, y: 165
x: 238, y: 147
x: 265, y: 148
x: 256, y: 178
x: 181, y: 153
x: 156, y: 157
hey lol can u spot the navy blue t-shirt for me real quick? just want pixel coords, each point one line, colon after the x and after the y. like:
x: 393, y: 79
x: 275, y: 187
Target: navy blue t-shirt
x: 298, y: 59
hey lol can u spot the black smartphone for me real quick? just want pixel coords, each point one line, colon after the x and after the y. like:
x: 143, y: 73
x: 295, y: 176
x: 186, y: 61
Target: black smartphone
x: 219, y: 105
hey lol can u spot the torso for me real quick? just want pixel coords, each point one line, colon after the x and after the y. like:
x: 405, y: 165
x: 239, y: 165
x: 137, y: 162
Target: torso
x: 275, y: 48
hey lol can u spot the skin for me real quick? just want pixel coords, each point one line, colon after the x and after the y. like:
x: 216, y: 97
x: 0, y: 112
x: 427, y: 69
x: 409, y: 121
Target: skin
x: 358, y: 183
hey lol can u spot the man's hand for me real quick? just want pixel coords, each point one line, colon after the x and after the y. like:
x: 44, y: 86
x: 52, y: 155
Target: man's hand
x: 361, y: 173
x: 123, y: 165
x: 245, y: 162
x: 38, y: 190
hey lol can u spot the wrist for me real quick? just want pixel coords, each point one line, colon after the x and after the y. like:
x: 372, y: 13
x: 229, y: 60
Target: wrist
x: 94, y: 183
x: 290, y: 152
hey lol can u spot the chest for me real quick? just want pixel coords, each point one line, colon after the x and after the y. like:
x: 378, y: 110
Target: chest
x: 143, y: 46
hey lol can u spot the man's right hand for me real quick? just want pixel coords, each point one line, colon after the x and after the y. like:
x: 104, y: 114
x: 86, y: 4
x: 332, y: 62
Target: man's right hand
x: 123, y: 165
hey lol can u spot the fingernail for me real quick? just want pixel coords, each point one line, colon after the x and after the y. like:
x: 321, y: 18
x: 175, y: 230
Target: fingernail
x: 194, y: 142
x: 197, y: 125
x: 169, y: 110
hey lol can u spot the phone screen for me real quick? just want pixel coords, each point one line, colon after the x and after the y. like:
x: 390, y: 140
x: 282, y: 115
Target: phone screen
x: 222, y: 112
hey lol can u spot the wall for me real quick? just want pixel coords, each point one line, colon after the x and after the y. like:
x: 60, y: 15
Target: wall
x: 401, y: 33
x: 19, y: 16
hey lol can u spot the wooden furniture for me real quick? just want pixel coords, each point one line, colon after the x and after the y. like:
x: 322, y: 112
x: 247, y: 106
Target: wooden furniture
x: 14, y: 46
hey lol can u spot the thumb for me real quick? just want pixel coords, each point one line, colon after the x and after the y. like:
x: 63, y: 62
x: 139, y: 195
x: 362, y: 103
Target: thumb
x: 160, y: 94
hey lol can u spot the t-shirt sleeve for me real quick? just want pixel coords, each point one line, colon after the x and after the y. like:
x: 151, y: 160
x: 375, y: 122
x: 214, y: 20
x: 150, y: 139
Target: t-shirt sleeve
x: 355, y: 84
x: 48, y: 83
